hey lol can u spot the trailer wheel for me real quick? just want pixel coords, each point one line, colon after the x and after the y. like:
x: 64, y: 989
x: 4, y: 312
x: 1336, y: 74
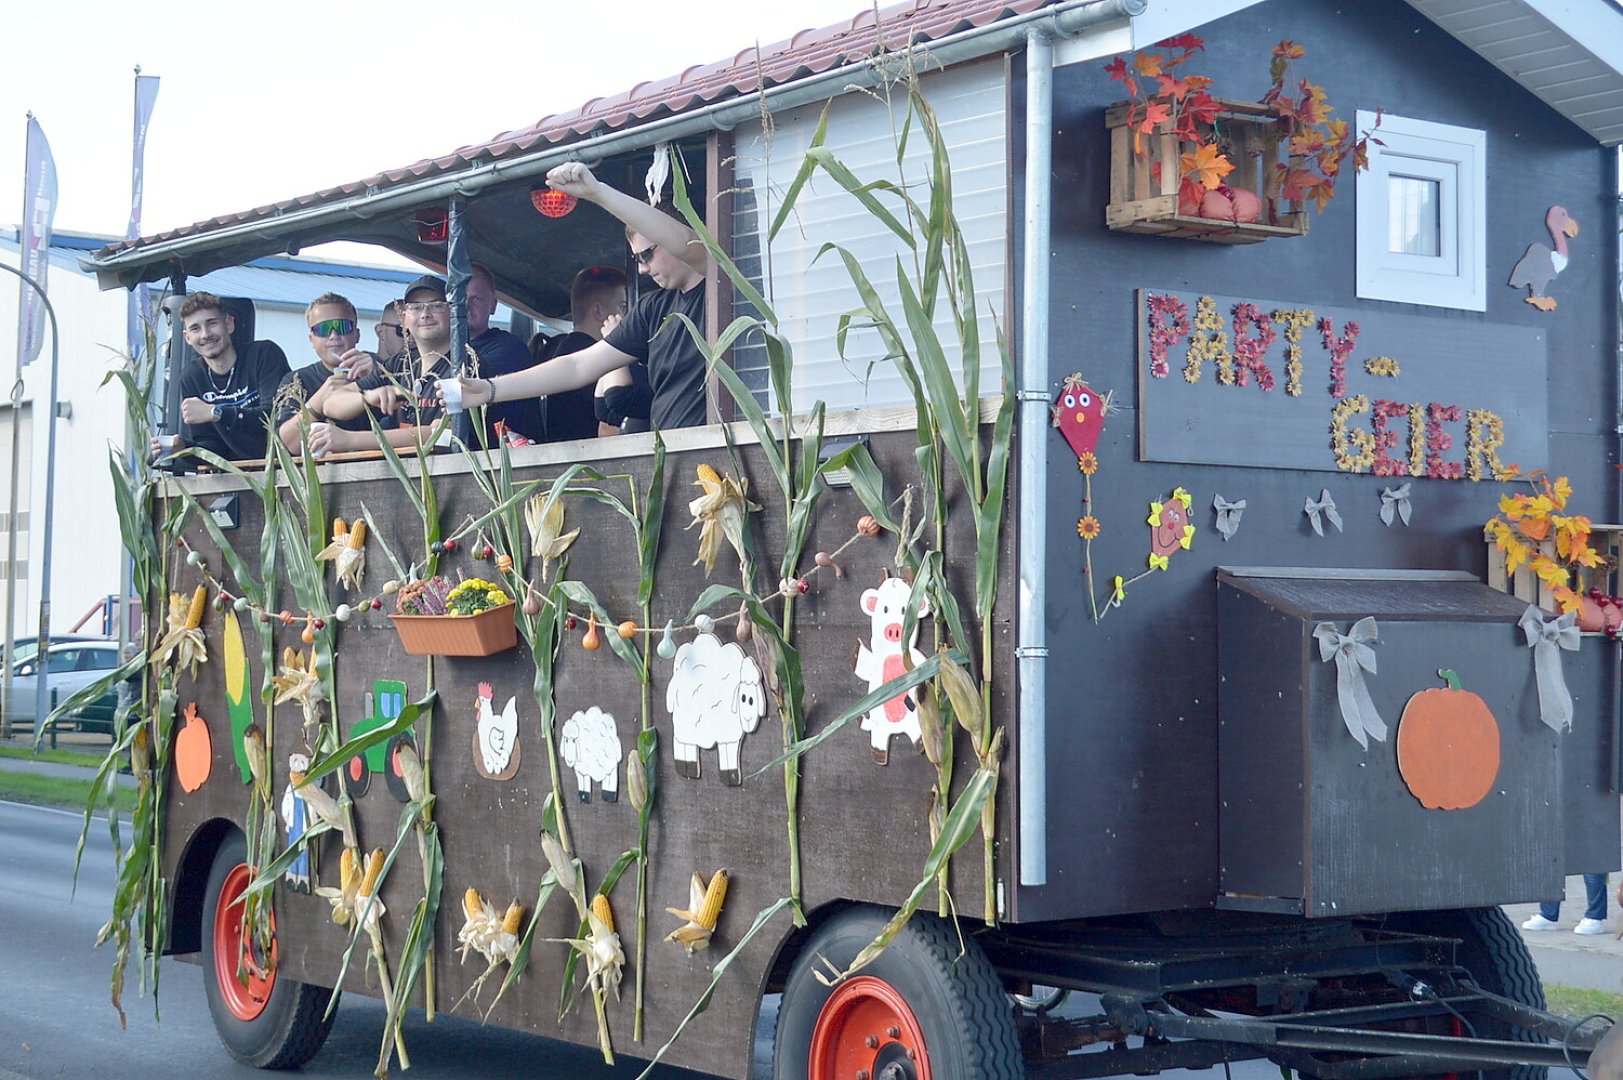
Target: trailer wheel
x: 269, y: 1021
x: 920, y: 1011
x: 1496, y: 956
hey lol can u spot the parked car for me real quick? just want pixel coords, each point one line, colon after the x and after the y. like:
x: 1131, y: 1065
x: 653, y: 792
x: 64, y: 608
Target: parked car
x: 73, y: 666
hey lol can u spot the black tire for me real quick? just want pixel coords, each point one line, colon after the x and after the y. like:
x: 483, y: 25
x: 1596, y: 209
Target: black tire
x: 1494, y: 953
x: 962, y: 1012
x: 294, y: 1022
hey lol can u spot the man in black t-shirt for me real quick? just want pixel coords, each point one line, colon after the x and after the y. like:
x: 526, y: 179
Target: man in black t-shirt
x: 225, y: 396
x: 674, y: 259
x: 596, y: 296
x: 499, y: 353
x: 335, y: 334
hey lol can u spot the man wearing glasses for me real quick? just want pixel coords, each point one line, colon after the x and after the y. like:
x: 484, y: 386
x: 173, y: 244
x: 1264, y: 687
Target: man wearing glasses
x: 401, y: 390
x: 335, y: 334
x: 673, y: 258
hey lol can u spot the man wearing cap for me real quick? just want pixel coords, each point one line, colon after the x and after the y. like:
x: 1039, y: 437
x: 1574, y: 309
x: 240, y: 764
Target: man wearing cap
x: 225, y: 396
x: 335, y: 334
x: 674, y: 259
x: 400, y: 392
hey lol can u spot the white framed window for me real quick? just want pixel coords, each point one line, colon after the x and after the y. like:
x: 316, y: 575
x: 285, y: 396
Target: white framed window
x: 810, y: 293
x: 1422, y: 214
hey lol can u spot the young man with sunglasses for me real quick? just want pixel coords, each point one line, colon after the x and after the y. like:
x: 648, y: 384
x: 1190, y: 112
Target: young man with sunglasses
x: 335, y: 335
x: 673, y: 258
x: 391, y: 338
x: 225, y: 395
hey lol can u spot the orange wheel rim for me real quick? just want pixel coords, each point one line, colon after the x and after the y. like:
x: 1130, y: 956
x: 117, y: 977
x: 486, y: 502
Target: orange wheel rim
x: 867, y: 1028
x: 246, y: 998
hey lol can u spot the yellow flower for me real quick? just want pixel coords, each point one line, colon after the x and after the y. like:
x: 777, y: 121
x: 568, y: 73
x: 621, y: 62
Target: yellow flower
x: 1088, y: 463
x: 719, y: 512
x: 1088, y: 528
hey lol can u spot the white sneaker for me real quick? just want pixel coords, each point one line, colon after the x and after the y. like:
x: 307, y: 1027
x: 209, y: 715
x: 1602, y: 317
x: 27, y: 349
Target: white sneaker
x: 1590, y: 926
x: 1539, y: 922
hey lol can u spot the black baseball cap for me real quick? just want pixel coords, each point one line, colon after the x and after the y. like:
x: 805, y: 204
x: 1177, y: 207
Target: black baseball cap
x: 427, y: 281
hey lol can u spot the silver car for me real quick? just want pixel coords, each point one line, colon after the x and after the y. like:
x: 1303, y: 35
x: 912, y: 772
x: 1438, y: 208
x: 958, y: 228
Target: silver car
x: 73, y: 666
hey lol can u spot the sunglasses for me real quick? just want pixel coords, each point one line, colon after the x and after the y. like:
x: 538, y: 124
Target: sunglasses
x: 391, y: 327
x: 329, y: 327
x: 646, y: 255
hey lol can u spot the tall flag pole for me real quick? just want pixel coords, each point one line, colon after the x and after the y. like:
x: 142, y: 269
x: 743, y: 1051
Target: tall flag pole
x: 146, y: 95
x: 139, y: 311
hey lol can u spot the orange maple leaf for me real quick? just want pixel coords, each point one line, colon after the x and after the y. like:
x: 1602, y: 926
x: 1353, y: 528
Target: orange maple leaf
x: 1289, y: 50
x: 1156, y: 113
x: 1207, y: 164
x: 1148, y: 64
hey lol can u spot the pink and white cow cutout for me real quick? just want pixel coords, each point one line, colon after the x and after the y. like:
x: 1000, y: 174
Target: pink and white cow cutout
x: 880, y: 661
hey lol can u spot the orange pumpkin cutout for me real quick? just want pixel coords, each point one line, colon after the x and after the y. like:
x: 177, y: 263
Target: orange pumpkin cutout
x: 194, y: 751
x: 1448, y: 746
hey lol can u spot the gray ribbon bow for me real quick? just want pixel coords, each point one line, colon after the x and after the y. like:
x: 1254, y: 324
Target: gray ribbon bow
x: 1326, y: 506
x: 1228, y: 515
x: 1353, y: 657
x: 1546, y: 639
x: 1395, y: 499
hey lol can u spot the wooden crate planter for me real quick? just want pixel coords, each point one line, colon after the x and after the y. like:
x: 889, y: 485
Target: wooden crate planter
x: 1524, y: 585
x: 1144, y: 186
x: 484, y: 634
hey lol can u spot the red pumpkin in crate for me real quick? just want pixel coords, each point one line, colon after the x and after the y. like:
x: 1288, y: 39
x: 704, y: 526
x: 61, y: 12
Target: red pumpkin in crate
x: 1448, y: 746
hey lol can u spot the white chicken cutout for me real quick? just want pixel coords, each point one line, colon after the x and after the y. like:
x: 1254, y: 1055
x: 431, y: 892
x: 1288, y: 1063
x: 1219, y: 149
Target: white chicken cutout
x: 495, y: 736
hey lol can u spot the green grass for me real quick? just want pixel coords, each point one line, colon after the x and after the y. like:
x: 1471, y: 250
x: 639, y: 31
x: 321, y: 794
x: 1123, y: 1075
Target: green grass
x: 54, y: 791
x: 1575, y: 1002
x: 60, y: 757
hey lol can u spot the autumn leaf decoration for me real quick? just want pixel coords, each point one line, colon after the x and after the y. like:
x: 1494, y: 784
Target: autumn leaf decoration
x: 1527, y: 522
x: 1161, y: 98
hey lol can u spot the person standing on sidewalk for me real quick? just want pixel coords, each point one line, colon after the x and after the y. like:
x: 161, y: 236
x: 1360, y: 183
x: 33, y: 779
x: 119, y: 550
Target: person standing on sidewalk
x: 1594, y: 920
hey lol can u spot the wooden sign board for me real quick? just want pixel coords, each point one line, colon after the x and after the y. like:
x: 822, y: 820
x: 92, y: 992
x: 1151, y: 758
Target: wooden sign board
x: 1229, y: 380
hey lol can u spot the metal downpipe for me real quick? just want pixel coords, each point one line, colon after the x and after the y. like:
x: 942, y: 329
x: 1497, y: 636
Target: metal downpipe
x: 1031, y: 646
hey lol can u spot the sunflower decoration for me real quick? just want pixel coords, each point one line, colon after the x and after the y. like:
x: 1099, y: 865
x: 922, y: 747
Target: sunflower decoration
x: 719, y: 512
x: 183, y: 640
x: 1088, y: 528
x: 1088, y: 463
x: 1170, y: 527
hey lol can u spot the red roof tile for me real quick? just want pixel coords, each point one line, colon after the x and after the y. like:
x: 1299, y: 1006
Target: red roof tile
x: 809, y: 52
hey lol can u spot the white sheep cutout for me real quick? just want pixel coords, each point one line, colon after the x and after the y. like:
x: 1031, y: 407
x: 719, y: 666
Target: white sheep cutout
x: 715, y: 696
x: 590, y: 744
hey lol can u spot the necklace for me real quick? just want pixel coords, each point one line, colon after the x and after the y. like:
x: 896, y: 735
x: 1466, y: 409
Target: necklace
x: 230, y: 377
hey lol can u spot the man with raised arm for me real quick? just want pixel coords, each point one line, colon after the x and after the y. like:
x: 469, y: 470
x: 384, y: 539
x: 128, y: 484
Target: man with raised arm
x: 674, y: 259
x: 225, y: 397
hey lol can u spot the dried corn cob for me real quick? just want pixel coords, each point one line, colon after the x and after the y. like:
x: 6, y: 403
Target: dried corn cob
x: 374, y: 869
x: 194, y: 615
x: 714, y: 895
x: 473, y: 905
x: 600, y: 908
x: 513, y: 918
x: 339, y: 528
x: 357, y: 534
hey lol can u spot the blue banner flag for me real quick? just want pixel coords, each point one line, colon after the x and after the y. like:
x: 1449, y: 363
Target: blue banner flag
x: 39, y: 212
x: 146, y: 95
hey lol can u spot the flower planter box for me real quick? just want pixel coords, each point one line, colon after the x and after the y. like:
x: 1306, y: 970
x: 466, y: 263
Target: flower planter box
x: 1144, y: 184
x: 484, y: 634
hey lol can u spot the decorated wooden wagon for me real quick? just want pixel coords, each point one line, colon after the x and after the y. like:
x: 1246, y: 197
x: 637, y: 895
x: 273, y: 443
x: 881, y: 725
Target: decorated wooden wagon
x: 1056, y: 601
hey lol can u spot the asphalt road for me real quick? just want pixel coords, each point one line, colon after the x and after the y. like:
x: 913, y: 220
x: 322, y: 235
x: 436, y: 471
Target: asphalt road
x: 56, y: 1021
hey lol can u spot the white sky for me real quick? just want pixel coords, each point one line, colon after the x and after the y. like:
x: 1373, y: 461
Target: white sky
x: 265, y: 101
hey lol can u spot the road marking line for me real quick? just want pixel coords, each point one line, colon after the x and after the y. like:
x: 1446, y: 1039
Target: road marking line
x: 46, y: 810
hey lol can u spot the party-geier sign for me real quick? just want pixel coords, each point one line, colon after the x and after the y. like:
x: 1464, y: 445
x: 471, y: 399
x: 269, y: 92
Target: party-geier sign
x: 1237, y: 381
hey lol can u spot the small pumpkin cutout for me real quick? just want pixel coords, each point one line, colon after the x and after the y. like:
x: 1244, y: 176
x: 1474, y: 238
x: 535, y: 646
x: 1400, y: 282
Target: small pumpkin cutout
x: 1448, y: 746
x: 194, y: 751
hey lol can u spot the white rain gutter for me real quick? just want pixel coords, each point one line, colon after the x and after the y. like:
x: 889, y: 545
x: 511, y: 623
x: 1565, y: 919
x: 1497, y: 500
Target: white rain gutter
x: 1065, y: 19
x: 1031, y: 643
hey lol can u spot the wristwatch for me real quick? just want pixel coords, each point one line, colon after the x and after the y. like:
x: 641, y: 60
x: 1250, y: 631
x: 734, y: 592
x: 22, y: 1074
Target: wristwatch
x: 217, y: 413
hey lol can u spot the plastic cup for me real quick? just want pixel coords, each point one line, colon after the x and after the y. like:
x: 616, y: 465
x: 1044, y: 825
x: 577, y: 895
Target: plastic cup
x: 451, y: 394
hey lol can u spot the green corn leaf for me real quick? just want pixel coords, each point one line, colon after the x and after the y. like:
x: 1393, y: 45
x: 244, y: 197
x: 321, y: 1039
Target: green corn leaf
x: 361, y: 743
x: 746, y: 288
x: 376, y: 535
x: 579, y: 592
x: 653, y: 522
x: 863, y: 193
x: 942, y: 391
x: 808, y: 165
x: 247, y: 585
x: 866, y: 480
x: 716, y: 973
x: 521, y: 955
x: 955, y: 832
